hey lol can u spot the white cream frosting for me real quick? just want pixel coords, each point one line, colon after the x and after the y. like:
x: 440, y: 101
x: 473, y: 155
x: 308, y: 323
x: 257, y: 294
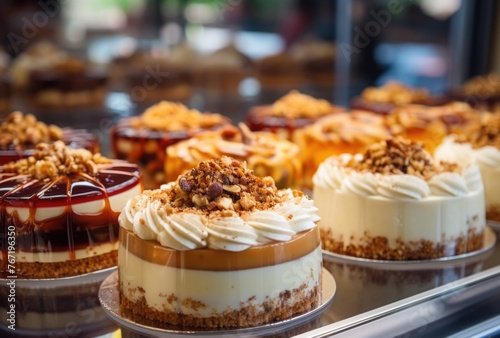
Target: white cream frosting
x: 451, y: 151
x: 361, y: 184
x: 187, y: 231
x: 448, y: 184
x: 488, y: 156
x: 402, y: 186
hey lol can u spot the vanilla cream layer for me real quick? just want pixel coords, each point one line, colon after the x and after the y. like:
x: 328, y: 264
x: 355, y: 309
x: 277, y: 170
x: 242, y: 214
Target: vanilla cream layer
x: 219, y: 290
x: 52, y: 257
x: 491, y: 182
x: 350, y: 216
x: 116, y: 203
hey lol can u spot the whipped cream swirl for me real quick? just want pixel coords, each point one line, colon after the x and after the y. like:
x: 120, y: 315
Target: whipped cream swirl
x: 488, y: 156
x: 448, y: 184
x: 151, y: 220
x: 403, y: 186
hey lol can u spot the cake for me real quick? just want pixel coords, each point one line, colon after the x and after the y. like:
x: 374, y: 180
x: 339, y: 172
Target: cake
x: 20, y: 133
x: 349, y: 132
x: 69, y: 83
x: 49, y: 78
x: 481, y: 146
x: 60, y: 210
x: 151, y: 78
x: 265, y: 153
x: 279, y: 71
x: 394, y: 202
x: 482, y: 92
x: 288, y: 114
x: 222, y: 71
x: 41, y: 55
x: 317, y: 60
x: 383, y: 99
x: 430, y: 125
x: 218, y: 249
x: 144, y: 139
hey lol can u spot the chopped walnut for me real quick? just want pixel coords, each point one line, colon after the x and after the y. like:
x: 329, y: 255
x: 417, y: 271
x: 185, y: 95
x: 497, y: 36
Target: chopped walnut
x: 396, y: 93
x: 52, y: 160
x: 399, y: 156
x: 19, y: 131
x: 483, y: 86
x: 222, y: 185
x: 170, y: 116
x: 296, y: 104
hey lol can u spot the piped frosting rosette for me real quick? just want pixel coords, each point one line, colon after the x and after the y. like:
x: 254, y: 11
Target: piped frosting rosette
x: 219, y: 205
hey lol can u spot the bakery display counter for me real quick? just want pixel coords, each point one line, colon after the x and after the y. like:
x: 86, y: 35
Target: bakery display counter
x: 370, y: 298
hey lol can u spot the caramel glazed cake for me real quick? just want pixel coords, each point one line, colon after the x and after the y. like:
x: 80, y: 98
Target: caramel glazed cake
x: 219, y: 248
x: 60, y: 207
x: 394, y: 202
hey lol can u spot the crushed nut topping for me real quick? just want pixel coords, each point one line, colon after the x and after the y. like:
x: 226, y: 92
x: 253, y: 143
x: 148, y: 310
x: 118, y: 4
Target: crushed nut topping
x: 18, y: 131
x: 170, y: 116
x: 399, y: 156
x: 296, y: 104
x: 483, y: 86
x: 52, y: 160
x: 420, y: 116
x: 394, y: 92
x: 356, y: 126
x: 486, y: 134
x: 222, y: 185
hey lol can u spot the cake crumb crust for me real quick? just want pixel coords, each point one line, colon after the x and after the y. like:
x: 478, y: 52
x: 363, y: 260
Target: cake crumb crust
x: 270, y: 311
x: 378, y: 247
x: 67, y: 268
x: 493, y: 213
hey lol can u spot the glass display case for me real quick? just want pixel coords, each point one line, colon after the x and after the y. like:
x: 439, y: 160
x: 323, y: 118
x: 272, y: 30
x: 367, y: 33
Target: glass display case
x: 342, y: 47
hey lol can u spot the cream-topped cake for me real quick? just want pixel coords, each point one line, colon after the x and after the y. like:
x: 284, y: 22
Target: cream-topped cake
x: 482, y: 146
x: 60, y: 208
x: 219, y: 248
x: 394, y: 202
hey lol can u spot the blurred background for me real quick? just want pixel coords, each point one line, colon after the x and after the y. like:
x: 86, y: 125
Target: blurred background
x: 340, y: 47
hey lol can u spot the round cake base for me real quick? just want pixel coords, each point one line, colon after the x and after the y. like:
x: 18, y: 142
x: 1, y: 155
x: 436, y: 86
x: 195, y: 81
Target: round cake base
x: 110, y: 301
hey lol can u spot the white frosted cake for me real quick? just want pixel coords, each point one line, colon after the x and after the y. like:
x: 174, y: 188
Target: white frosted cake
x: 482, y: 147
x: 219, y: 248
x: 395, y: 203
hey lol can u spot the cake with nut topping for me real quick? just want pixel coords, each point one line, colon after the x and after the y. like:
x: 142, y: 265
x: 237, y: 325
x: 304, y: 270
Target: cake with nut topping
x: 20, y: 133
x: 289, y: 114
x: 482, y: 146
x: 144, y: 139
x: 383, y: 99
x: 430, y: 125
x: 60, y: 210
x: 337, y: 134
x: 218, y: 248
x: 394, y: 202
x: 265, y: 153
